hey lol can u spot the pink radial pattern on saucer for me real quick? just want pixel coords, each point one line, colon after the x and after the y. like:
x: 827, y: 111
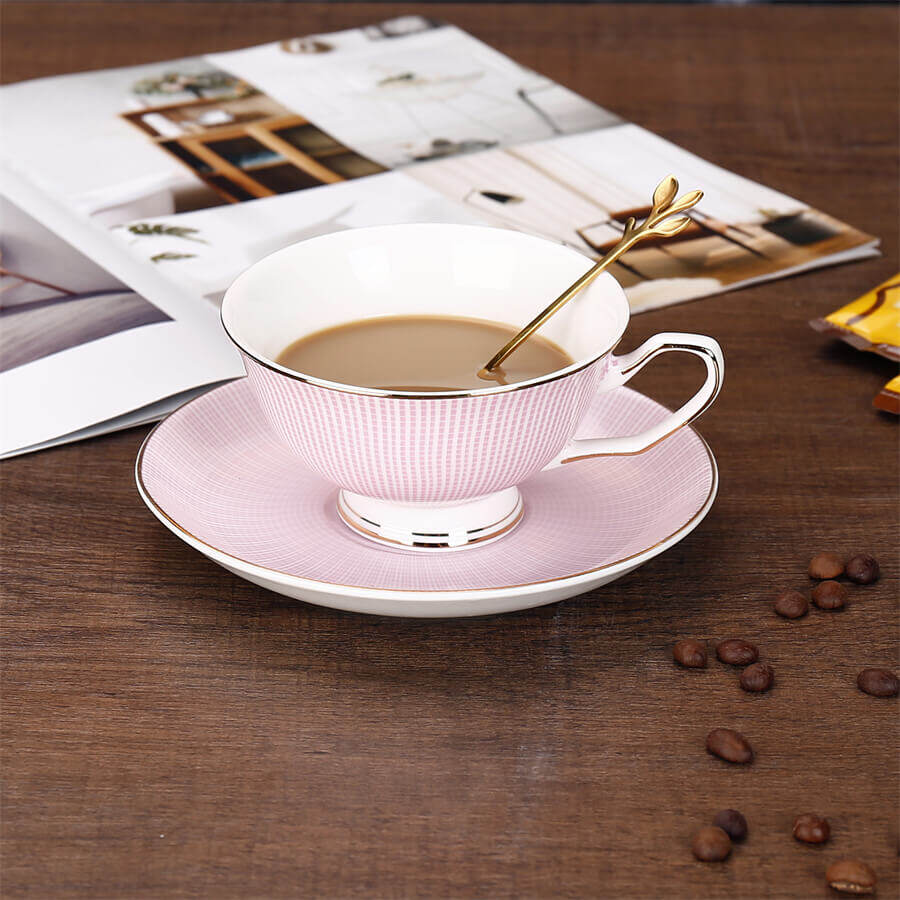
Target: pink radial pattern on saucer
x: 216, y: 471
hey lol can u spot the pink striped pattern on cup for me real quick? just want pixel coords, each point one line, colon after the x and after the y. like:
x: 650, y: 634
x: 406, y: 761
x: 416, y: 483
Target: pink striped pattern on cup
x: 432, y: 450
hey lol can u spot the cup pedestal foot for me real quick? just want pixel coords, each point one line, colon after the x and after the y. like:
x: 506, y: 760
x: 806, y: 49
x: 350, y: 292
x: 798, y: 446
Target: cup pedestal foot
x: 432, y: 526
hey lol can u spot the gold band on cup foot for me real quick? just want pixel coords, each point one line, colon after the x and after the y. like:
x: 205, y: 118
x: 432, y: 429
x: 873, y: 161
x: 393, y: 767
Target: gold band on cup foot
x: 399, y: 530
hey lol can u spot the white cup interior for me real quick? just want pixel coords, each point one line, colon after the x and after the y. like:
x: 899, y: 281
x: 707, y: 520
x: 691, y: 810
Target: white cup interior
x: 421, y: 269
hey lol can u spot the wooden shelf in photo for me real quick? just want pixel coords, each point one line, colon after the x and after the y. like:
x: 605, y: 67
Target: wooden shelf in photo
x: 204, y: 151
x: 300, y: 159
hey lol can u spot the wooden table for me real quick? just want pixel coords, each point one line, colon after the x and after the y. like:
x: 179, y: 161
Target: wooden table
x: 171, y: 731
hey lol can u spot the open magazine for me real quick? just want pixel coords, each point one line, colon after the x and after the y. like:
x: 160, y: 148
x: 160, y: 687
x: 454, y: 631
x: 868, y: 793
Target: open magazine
x: 133, y: 197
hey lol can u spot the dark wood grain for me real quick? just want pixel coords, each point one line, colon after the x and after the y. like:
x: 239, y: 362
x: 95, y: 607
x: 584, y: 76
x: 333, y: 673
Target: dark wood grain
x: 171, y: 731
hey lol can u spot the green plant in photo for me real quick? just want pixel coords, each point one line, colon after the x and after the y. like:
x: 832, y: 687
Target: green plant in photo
x: 165, y: 257
x: 145, y: 229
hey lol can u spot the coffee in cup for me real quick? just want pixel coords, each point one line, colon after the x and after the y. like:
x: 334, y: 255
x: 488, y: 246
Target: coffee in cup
x: 420, y: 353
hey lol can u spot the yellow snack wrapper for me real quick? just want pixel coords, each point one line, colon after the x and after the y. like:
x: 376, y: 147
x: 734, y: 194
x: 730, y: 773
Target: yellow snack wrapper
x: 888, y: 398
x: 871, y: 322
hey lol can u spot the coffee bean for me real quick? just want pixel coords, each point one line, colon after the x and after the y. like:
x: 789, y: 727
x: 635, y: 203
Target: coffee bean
x: 711, y: 844
x: 736, y: 652
x: 732, y: 823
x: 829, y: 595
x: 863, y: 569
x: 757, y: 678
x: 826, y: 565
x: 791, y: 604
x: 729, y: 745
x: 690, y: 653
x: 878, y: 682
x: 811, y: 829
x: 851, y: 876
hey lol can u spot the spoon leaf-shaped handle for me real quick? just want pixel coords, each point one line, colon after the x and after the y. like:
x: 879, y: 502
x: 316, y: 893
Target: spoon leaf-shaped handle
x: 665, y: 192
x: 657, y: 224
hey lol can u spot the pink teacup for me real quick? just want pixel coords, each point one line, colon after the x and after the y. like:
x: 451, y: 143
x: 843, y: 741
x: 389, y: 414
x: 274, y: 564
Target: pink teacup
x: 425, y: 470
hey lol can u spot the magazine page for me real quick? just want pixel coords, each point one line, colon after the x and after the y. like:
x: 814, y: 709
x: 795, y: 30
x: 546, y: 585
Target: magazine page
x: 197, y: 168
x: 175, y: 176
x: 580, y: 190
x: 81, y: 353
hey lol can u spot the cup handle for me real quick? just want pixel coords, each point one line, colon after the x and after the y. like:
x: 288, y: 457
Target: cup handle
x: 621, y: 370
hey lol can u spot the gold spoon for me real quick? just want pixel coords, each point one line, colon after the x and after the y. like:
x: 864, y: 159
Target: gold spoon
x: 664, y: 205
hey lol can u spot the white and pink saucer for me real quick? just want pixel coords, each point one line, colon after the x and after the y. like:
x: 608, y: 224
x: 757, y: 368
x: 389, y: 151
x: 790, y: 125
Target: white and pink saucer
x: 218, y: 476
x: 446, y: 503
